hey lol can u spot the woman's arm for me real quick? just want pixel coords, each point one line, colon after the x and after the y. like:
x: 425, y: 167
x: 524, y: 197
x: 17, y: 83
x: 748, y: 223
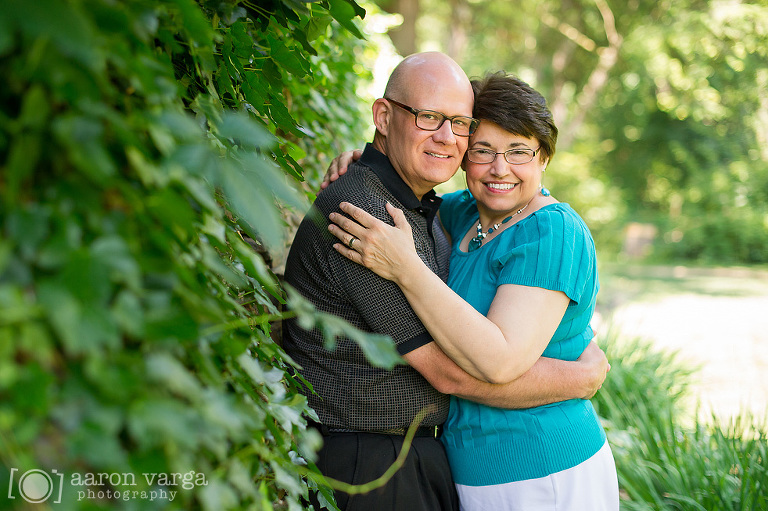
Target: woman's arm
x: 498, y: 348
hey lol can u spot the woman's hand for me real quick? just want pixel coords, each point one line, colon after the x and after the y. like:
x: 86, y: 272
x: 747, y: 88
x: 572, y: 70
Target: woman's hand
x: 339, y: 166
x: 386, y: 250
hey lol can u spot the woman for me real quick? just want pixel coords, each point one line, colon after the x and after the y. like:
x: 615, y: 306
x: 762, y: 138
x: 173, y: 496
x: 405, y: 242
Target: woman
x: 522, y: 284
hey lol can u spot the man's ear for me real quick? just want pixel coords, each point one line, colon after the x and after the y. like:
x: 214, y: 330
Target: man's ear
x: 382, y: 115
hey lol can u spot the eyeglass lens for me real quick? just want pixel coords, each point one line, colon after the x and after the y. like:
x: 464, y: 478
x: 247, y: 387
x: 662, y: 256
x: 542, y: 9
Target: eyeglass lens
x: 432, y: 121
x: 513, y: 156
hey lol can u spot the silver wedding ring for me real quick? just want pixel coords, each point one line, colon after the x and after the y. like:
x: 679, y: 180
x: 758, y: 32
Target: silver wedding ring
x: 351, y: 240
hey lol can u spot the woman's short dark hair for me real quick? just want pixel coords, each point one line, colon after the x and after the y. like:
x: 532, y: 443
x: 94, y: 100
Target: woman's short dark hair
x: 515, y: 106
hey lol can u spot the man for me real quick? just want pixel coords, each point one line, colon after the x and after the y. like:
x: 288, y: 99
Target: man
x: 365, y: 411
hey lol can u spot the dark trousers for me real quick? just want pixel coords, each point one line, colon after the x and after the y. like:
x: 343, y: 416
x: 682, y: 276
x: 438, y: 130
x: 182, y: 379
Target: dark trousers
x: 424, y: 482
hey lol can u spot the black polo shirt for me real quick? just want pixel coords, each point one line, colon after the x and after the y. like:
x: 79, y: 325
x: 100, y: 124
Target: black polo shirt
x: 350, y: 392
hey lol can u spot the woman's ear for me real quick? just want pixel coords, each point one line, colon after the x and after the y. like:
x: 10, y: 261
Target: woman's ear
x: 382, y: 113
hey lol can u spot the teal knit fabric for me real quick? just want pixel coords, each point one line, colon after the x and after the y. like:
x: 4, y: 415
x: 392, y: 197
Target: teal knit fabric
x: 553, y: 249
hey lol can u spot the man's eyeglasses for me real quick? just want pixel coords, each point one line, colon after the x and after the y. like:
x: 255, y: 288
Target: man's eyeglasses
x: 517, y: 156
x: 429, y: 120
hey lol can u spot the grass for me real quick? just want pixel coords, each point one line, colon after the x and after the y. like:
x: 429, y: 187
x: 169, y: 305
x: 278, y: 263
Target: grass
x: 666, y: 460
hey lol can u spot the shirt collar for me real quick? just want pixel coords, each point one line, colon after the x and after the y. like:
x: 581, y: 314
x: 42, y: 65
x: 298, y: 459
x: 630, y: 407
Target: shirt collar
x: 380, y: 164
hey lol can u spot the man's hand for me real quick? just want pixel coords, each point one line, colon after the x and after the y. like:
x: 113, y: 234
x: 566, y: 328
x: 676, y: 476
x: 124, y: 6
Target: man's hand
x: 595, y: 365
x: 339, y: 166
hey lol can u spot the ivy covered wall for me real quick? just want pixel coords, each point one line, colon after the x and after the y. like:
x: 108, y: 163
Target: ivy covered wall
x: 148, y: 152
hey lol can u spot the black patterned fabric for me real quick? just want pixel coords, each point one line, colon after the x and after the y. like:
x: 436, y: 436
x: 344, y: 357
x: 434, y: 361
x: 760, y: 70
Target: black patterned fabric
x: 352, y: 394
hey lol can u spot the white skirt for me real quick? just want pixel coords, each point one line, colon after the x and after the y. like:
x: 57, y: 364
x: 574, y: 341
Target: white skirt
x: 592, y: 484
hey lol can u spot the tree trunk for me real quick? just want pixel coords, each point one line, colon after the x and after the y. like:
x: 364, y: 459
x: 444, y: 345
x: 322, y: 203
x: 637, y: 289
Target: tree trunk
x: 404, y: 37
x: 461, y: 18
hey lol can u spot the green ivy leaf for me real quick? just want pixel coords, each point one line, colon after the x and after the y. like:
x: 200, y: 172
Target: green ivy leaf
x: 239, y: 127
x: 288, y: 163
x: 318, y: 26
x: 250, y: 89
x: 172, y: 211
x: 164, y: 422
x: 218, y: 495
x: 36, y: 385
x: 193, y: 22
x: 284, y: 57
x: 344, y: 11
x: 168, y: 321
x: 35, y: 340
x: 272, y: 76
x: 69, y: 28
x: 289, y: 480
x: 301, y: 36
x: 22, y: 158
x: 251, y: 185
x: 273, y: 180
x: 83, y: 137
x: 254, y: 265
x: 84, y: 326
x: 282, y: 116
x: 114, y: 254
x: 212, y: 259
x: 181, y: 125
x: 28, y: 228
x: 164, y: 369
x: 128, y: 314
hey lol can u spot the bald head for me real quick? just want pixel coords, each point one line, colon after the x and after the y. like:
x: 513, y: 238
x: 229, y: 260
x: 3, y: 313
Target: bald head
x: 426, y: 73
x: 424, y: 158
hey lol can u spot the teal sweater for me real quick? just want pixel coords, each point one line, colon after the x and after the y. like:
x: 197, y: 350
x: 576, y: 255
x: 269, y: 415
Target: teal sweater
x: 553, y: 249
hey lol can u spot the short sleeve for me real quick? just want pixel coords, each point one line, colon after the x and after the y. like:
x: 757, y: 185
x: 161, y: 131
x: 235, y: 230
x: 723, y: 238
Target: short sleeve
x: 551, y: 249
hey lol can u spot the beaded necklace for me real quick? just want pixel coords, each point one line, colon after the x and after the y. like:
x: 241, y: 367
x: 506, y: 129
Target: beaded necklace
x: 477, y: 241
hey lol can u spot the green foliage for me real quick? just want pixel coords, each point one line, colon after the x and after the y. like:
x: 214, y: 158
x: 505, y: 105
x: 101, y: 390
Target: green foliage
x: 147, y: 150
x: 663, y: 462
x: 296, y: 71
x: 684, y: 125
x: 729, y: 236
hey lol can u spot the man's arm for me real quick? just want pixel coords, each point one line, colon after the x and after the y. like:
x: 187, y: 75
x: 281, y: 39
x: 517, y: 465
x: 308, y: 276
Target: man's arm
x: 548, y: 381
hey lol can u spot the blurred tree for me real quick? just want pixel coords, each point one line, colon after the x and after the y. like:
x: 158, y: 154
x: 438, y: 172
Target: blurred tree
x: 683, y: 125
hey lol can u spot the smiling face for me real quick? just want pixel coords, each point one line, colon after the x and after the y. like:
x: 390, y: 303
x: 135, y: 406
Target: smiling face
x: 423, y: 158
x: 502, y: 188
